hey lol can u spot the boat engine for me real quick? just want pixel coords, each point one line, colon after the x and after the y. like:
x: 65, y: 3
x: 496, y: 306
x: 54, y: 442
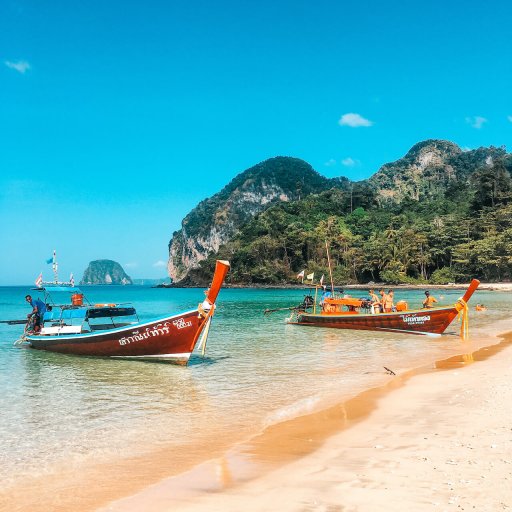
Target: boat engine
x: 306, y: 303
x: 366, y: 303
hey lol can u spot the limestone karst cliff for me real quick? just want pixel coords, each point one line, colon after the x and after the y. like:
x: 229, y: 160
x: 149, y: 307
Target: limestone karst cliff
x: 215, y: 220
x: 429, y: 168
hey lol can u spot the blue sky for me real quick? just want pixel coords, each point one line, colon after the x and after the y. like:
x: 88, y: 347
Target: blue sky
x: 118, y: 117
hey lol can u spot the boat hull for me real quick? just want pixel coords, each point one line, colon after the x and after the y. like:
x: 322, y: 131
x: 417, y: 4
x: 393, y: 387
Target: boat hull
x: 426, y: 321
x: 171, y: 339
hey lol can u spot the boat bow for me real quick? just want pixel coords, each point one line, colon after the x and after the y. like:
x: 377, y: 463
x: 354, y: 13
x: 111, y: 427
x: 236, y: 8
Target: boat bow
x: 221, y: 270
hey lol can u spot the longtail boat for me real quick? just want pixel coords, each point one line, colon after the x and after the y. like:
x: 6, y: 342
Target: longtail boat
x: 114, y: 330
x: 352, y: 313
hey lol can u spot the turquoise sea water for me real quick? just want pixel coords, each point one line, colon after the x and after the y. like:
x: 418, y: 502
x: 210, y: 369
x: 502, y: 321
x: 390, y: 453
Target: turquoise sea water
x: 71, y: 412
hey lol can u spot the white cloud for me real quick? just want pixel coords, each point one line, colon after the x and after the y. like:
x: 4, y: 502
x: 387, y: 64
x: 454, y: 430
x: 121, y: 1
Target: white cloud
x: 476, y: 121
x: 349, y: 162
x: 160, y: 263
x: 354, y: 120
x: 509, y: 118
x: 330, y: 163
x: 21, y: 66
x: 131, y: 265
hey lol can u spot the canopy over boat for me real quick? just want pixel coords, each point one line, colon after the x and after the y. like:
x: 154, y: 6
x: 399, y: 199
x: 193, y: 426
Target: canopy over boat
x: 58, y: 288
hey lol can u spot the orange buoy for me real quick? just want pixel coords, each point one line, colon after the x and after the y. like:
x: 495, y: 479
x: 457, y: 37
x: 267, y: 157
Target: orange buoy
x: 401, y: 305
x: 77, y: 299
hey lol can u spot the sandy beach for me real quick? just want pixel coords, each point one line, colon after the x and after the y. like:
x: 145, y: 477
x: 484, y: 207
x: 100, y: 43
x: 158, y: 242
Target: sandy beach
x: 436, y: 438
x: 494, y: 287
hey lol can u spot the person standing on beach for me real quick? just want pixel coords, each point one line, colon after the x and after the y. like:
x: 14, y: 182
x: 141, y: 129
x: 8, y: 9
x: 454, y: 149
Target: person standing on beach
x: 429, y: 300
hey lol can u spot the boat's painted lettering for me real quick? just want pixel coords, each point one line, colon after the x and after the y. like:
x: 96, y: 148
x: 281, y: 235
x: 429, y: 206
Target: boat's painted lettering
x: 156, y: 330
x: 414, y: 319
x: 181, y: 324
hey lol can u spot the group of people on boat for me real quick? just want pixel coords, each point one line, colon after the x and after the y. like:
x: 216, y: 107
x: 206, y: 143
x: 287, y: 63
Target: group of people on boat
x: 383, y: 304
x: 386, y: 302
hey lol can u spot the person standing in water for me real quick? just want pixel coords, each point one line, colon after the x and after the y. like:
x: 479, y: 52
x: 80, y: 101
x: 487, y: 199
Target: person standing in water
x: 429, y: 300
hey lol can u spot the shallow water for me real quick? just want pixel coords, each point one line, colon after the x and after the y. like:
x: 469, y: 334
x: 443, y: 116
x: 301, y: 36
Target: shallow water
x: 77, y: 413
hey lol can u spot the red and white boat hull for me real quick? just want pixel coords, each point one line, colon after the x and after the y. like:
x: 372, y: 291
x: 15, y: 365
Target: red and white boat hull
x: 417, y: 322
x: 170, y: 338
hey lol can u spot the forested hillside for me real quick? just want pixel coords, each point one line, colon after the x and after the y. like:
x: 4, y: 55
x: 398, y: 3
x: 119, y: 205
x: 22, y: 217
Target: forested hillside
x: 217, y: 219
x: 439, y: 214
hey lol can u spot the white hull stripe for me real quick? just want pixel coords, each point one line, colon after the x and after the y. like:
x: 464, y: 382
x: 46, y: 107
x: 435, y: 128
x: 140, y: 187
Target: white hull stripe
x: 423, y: 333
x: 326, y: 325
x: 185, y: 355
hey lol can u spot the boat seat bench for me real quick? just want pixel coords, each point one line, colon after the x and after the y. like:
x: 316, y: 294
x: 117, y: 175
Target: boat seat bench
x: 62, y: 329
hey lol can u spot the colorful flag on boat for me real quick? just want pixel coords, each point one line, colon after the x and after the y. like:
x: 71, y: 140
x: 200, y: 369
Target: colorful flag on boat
x: 301, y: 275
x: 311, y: 276
x: 71, y: 280
x: 39, y: 280
x: 53, y: 259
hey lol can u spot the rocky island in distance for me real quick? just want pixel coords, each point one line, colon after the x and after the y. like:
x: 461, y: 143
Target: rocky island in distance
x: 105, y: 272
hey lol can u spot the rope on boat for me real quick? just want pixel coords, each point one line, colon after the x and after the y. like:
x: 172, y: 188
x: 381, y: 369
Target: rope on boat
x: 204, y: 336
x: 20, y: 341
x: 464, y: 319
x: 207, y: 315
x: 23, y: 338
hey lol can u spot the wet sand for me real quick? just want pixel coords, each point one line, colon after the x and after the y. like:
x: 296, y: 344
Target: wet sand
x: 443, y: 441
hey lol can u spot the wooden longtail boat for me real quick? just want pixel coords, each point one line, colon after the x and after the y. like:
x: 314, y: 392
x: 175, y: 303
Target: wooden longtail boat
x: 351, y: 313
x: 105, y: 330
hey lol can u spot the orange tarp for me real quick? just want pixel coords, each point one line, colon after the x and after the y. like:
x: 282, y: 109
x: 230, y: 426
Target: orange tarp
x: 347, y: 301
